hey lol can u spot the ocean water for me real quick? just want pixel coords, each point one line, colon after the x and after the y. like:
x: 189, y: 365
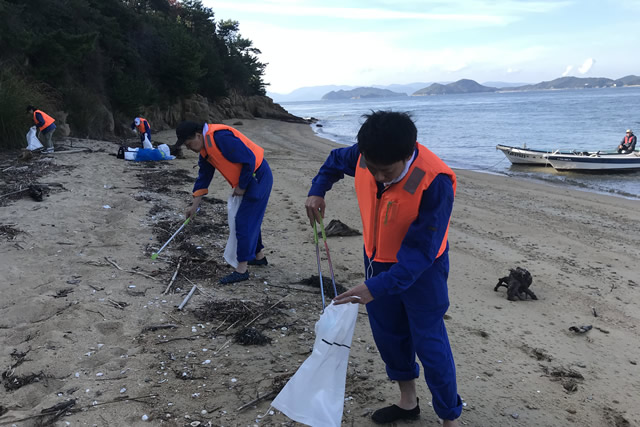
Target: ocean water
x: 464, y: 129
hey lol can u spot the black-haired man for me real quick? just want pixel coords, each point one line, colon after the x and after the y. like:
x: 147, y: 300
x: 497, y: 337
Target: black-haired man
x: 405, y: 194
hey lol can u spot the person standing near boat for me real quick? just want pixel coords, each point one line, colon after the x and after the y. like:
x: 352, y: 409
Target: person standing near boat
x: 241, y: 162
x: 628, y: 143
x: 405, y: 194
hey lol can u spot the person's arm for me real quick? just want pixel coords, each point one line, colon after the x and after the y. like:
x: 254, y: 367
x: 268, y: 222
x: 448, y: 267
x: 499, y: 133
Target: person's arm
x: 421, y: 243
x: 234, y: 150
x: 146, y: 126
x: 133, y: 125
x: 341, y: 162
x: 39, y: 120
x: 201, y: 186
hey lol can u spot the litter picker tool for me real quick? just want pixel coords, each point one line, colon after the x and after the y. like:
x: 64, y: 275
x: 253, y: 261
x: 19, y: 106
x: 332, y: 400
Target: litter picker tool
x: 315, y: 238
x: 326, y: 247
x: 155, y: 254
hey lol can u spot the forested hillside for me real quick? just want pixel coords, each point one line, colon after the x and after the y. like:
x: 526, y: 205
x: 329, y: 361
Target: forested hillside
x: 88, y: 58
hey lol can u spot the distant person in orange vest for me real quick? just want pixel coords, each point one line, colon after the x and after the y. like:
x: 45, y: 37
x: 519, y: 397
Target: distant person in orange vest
x: 46, y: 126
x: 628, y: 143
x: 405, y: 194
x: 142, y: 126
x: 241, y: 162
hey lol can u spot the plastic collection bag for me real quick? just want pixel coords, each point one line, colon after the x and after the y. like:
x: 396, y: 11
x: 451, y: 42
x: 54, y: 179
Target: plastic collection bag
x: 146, y: 143
x: 33, y: 143
x: 315, y: 394
x: 231, y: 250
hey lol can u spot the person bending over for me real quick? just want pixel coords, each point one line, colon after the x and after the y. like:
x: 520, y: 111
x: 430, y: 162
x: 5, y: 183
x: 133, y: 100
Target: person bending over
x: 241, y: 162
x: 46, y: 126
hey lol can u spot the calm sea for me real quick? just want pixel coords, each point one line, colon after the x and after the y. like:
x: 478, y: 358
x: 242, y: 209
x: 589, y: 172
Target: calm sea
x: 465, y: 129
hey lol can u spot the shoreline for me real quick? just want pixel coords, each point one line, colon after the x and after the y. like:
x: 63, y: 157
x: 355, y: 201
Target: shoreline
x: 514, y: 359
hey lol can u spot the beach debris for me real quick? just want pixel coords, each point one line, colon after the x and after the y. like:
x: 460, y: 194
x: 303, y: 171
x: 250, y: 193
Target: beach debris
x: 338, y: 228
x: 517, y: 284
x: 62, y: 293
x: 314, y: 281
x: 13, y: 383
x: 581, y: 329
x: 567, y: 377
x: 251, y: 336
x: 187, y: 298
x: 175, y: 274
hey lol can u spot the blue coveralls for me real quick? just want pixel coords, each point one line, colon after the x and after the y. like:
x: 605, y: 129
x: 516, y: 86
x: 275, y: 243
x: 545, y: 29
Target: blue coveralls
x: 410, y: 296
x: 147, y: 130
x: 257, y: 185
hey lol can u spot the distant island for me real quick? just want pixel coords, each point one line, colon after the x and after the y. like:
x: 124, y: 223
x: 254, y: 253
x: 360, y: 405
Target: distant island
x: 471, y: 86
x: 361, y: 93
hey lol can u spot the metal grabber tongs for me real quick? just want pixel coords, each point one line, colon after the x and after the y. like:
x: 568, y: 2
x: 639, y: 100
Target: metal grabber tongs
x: 324, y: 238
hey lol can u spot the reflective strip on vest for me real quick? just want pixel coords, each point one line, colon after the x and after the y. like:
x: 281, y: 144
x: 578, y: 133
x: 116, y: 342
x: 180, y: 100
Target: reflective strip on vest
x: 48, y: 120
x: 386, y: 221
x: 230, y: 171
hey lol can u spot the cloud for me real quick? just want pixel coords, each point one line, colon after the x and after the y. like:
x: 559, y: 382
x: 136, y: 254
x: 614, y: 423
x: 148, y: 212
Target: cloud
x: 567, y: 71
x: 512, y: 70
x: 586, y: 66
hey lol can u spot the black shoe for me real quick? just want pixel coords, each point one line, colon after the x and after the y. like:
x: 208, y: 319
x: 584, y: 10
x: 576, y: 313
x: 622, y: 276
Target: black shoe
x: 393, y: 413
x: 235, y: 277
x: 262, y: 261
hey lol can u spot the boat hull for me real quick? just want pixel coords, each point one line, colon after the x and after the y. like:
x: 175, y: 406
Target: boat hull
x: 605, y: 162
x: 523, y: 156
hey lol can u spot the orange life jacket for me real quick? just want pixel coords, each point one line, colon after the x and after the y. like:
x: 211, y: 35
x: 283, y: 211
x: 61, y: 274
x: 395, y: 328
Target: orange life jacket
x: 627, y: 139
x: 48, y: 120
x: 211, y: 152
x: 141, y: 127
x: 386, y: 221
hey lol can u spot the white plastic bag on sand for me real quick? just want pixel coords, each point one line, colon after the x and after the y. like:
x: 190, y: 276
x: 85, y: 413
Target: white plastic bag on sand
x: 33, y: 143
x: 315, y: 394
x: 167, y: 151
x: 231, y: 250
x: 146, y: 143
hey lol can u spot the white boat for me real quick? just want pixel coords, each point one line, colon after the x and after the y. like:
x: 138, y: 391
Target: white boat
x: 594, y: 161
x: 528, y: 156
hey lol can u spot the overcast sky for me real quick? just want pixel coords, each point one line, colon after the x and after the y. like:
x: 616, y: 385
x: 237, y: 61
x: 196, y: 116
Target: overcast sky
x: 361, y: 43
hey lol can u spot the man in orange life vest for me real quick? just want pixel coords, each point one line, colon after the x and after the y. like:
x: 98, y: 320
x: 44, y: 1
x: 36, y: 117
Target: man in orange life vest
x: 405, y: 194
x: 45, y: 124
x: 142, y: 126
x: 241, y: 162
x: 628, y: 143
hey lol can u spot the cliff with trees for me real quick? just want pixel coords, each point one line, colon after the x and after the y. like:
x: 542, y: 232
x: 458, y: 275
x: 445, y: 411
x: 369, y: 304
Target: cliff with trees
x: 96, y: 64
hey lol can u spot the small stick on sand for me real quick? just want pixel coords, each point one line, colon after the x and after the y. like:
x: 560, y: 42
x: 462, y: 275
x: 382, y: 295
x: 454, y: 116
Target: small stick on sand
x: 175, y: 274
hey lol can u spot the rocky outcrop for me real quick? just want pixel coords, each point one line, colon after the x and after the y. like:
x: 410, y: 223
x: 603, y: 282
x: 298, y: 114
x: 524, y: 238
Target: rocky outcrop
x: 200, y: 109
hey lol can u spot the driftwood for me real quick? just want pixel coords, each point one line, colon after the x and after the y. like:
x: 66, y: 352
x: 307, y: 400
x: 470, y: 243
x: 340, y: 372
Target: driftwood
x: 175, y: 274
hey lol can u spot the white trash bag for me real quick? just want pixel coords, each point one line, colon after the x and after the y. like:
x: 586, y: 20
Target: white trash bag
x: 146, y: 143
x: 231, y: 250
x: 315, y: 394
x: 33, y: 143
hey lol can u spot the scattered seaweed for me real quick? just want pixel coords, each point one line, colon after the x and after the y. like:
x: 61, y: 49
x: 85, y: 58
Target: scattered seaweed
x: 314, y: 281
x: 9, y: 232
x: 232, y: 312
x: 251, y: 336
x: 13, y: 383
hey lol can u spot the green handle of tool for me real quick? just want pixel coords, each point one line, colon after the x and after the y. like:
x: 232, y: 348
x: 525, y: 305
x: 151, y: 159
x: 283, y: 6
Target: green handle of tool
x: 324, y: 235
x: 315, y: 233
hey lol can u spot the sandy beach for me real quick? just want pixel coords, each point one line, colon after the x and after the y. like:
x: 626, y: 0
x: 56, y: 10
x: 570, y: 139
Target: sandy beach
x: 84, y: 314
